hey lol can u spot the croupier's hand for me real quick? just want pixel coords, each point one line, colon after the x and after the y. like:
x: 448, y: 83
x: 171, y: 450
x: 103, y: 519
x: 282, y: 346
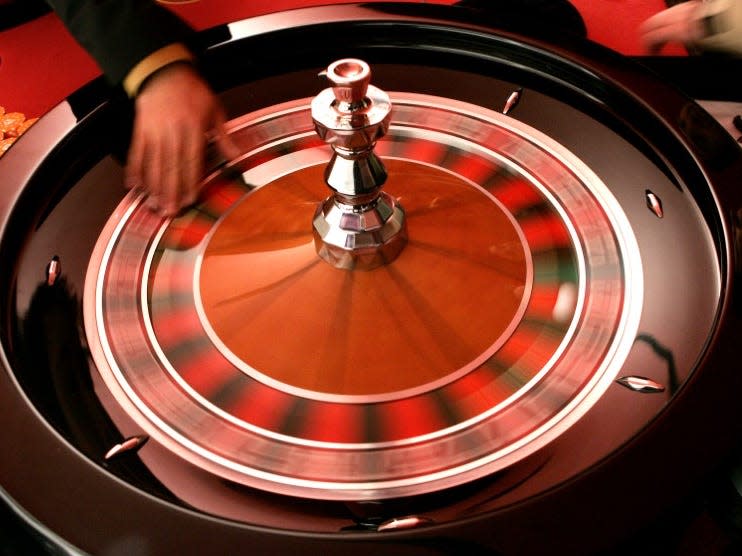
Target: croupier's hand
x: 176, y: 116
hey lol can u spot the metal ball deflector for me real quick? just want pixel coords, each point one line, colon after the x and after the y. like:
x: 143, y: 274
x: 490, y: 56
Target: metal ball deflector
x: 359, y: 226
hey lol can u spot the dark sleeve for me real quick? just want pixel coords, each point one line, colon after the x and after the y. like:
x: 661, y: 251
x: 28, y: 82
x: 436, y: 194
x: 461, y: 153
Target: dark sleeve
x: 120, y: 33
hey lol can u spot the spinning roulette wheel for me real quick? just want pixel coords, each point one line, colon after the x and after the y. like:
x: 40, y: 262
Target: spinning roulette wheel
x: 506, y: 325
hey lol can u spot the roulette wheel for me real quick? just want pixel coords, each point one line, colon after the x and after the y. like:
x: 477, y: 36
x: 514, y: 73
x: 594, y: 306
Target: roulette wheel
x: 465, y: 289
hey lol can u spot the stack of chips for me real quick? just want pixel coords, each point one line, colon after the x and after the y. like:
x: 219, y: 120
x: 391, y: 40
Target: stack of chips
x: 12, y: 126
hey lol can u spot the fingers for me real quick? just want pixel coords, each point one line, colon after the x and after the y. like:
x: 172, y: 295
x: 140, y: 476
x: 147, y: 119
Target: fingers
x: 153, y: 181
x: 224, y: 141
x: 146, y: 168
x: 192, y: 169
x: 133, y: 176
x: 165, y: 181
x: 678, y: 24
x: 164, y: 164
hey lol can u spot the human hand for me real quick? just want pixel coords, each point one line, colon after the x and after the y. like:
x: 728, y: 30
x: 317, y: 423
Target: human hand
x: 682, y: 23
x: 176, y: 114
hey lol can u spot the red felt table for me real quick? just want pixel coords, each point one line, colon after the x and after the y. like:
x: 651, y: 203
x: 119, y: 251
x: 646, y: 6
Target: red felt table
x: 41, y: 64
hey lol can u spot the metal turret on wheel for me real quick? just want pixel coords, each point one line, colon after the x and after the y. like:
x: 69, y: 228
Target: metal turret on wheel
x: 358, y: 226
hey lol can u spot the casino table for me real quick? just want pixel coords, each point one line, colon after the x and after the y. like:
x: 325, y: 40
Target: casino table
x: 469, y: 288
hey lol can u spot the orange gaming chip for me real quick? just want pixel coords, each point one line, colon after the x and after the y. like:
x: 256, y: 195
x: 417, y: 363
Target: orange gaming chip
x: 12, y: 126
x: 5, y: 144
x: 10, y: 123
x: 25, y: 125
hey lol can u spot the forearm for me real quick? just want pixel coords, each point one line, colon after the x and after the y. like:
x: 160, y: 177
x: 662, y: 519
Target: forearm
x: 120, y: 34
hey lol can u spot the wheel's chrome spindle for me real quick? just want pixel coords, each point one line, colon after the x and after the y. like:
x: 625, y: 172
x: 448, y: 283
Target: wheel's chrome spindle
x: 359, y: 226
